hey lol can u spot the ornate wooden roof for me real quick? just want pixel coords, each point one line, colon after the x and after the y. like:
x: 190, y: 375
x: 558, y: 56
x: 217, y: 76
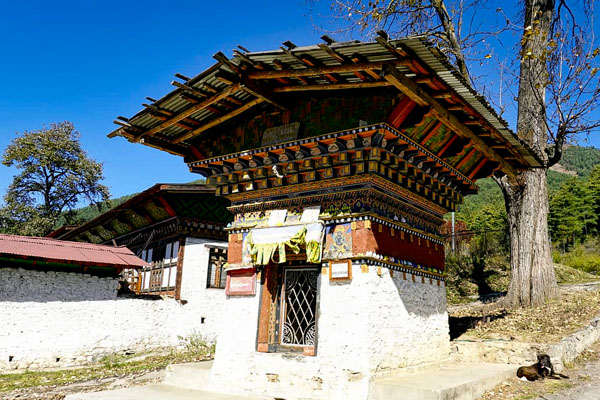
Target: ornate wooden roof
x: 449, y: 119
x: 165, y: 207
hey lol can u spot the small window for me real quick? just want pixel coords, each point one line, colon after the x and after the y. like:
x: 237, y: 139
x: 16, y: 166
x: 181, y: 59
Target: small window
x: 299, y: 307
x: 288, y: 310
x: 216, y: 261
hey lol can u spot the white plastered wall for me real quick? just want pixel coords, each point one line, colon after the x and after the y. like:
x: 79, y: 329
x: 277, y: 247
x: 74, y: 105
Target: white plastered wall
x: 206, y: 304
x: 369, y: 326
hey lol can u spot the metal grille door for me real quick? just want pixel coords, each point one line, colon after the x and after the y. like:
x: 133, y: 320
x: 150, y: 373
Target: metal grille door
x: 300, y: 302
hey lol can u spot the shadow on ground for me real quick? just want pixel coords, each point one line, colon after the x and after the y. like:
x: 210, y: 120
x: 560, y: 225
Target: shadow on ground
x: 459, y: 325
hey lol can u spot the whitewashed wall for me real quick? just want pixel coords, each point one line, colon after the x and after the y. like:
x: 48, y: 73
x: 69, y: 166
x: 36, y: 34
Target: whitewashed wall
x: 207, y: 302
x: 369, y: 326
x: 59, y: 319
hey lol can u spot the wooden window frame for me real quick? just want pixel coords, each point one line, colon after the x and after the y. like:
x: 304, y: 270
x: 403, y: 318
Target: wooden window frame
x: 159, y: 262
x: 220, y: 273
x: 270, y: 317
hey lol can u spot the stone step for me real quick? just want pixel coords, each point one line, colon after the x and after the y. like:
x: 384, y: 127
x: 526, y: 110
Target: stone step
x: 157, y: 392
x: 445, y: 382
x: 193, y: 376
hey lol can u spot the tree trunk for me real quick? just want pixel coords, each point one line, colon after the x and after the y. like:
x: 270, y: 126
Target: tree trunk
x: 532, y: 272
x: 532, y: 279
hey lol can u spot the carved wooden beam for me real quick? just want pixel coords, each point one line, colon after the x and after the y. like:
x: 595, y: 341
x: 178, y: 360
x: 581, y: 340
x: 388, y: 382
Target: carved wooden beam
x: 419, y: 96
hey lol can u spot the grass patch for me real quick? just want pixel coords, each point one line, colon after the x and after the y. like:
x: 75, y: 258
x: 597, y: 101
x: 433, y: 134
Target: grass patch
x: 196, y: 349
x: 566, y: 275
x: 583, y: 256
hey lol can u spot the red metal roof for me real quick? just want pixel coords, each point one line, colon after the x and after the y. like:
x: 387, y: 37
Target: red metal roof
x: 60, y: 251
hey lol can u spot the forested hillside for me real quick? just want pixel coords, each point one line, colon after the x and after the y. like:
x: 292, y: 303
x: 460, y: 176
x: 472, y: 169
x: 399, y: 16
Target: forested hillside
x: 481, y: 263
x: 580, y: 160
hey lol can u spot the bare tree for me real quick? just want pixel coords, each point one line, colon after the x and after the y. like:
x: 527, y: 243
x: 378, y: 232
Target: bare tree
x: 558, y: 95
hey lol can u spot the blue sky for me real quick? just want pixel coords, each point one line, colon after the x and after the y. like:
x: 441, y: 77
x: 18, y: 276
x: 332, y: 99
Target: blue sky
x: 89, y: 61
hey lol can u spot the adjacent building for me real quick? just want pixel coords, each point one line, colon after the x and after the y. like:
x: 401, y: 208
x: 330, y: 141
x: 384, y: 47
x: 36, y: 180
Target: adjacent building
x: 179, y: 230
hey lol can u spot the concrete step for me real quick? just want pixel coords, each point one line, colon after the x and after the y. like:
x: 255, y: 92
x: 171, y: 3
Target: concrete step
x: 158, y: 392
x: 193, y: 376
x: 445, y: 382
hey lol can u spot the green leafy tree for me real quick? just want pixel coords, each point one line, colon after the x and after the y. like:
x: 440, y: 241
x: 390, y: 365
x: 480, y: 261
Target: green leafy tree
x: 593, y: 184
x: 572, y: 214
x: 55, y: 175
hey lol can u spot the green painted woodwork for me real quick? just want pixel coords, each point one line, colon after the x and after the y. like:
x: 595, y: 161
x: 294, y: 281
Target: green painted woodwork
x: 157, y: 213
x: 104, y: 233
x: 91, y: 238
x: 204, y: 207
x: 475, y: 158
x: 120, y: 227
x: 421, y: 130
x: 436, y: 143
x: 135, y: 219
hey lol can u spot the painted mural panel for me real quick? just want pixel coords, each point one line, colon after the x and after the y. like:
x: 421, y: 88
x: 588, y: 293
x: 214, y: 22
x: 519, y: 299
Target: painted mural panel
x: 338, y: 242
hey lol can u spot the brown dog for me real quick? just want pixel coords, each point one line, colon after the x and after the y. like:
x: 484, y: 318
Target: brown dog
x: 540, y: 370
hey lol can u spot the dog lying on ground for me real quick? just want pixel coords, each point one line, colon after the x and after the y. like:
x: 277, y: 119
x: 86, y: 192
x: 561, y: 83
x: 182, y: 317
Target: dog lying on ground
x: 540, y: 370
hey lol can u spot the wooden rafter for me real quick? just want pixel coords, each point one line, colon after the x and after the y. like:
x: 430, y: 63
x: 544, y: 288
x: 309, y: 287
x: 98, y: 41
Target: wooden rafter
x: 447, y: 145
x: 466, y: 158
x: 218, y: 120
x: 167, y: 206
x: 263, y: 92
x: 477, y: 168
x: 127, y: 133
x: 316, y: 71
x: 421, y: 97
x: 341, y: 59
x: 190, y: 89
x: 191, y: 110
x: 281, y: 66
x: 331, y: 86
x: 309, y: 62
x: 433, y: 131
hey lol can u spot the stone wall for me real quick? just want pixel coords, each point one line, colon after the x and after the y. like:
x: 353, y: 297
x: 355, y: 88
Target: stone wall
x: 367, y: 327
x: 18, y: 284
x: 60, y: 319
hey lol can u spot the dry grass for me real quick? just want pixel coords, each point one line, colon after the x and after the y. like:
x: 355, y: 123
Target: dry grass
x: 545, y: 324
